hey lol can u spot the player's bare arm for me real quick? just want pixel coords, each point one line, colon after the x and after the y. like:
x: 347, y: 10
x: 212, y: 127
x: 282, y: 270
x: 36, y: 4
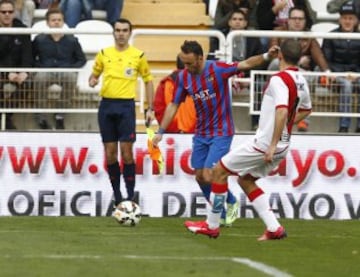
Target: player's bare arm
x: 281, y: 116
x: 300, y: 115
x: 257, y: 60
x: 169, y: 114
x: 149, y: 90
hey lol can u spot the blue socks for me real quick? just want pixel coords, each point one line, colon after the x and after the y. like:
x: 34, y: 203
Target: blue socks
x: 230, y: 199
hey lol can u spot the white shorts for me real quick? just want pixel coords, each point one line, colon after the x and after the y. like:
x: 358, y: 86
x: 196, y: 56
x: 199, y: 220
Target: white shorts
x: 248, y: 159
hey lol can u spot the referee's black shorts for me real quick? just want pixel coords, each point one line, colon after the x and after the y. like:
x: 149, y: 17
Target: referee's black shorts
x: 117, y: 120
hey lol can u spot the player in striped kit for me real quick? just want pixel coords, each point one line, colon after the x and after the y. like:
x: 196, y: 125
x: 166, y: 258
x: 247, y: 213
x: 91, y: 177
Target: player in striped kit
x: 286, y: 101
x: 207, y: 83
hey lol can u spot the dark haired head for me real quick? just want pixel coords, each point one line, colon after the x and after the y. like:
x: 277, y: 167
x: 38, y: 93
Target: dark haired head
x: 53, y: 11
x: 302, y: 8
x: 191, y: 46
x: 241, y: 12
x: 291, y: 51
x: 124, y: 20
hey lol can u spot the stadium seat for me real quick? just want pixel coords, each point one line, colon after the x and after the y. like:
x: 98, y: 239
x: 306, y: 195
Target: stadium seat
x: 185, y: 15
x: 39, y: 14
x: 91, y: 43
x: 322, y: 15
x: 170, y: 46
x: 323, y: 27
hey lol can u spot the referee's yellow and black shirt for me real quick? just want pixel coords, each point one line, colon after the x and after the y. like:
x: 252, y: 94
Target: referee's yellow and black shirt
x: 120, y: 71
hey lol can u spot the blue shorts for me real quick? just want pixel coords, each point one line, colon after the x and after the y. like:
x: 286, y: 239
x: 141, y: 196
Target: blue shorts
x: 117, y: 120
x: 208, y: 151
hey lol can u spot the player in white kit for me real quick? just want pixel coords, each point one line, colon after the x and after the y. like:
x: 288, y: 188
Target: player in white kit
x: 286, y: 101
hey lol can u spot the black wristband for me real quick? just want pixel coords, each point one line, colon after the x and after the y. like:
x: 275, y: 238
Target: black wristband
x: 161, y: 131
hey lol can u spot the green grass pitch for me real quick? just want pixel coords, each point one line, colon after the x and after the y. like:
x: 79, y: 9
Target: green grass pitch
x: 98, y: 246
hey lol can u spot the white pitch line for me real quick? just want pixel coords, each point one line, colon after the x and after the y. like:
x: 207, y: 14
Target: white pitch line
x: 272, y: 271
x: 71, y: 257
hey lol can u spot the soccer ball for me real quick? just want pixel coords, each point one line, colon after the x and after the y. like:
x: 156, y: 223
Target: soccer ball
x: 127, y: 213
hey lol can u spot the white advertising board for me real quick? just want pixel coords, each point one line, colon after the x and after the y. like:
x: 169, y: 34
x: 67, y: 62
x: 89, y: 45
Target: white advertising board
x: 63, y: 174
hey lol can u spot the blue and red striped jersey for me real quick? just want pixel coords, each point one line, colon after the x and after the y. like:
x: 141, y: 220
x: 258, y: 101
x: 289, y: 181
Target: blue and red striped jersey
x: 211, y: 95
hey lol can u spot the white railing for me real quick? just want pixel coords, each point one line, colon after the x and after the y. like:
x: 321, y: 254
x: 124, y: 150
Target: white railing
x: 224, y: 53
x: 221, y: 53
x: 81, y: 100
x: 325, y: 97
x: 327, y: 93
x: 283, y: 34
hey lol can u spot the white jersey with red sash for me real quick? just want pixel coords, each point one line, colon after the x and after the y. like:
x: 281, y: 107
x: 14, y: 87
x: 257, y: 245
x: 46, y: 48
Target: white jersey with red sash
x: 288, y: 89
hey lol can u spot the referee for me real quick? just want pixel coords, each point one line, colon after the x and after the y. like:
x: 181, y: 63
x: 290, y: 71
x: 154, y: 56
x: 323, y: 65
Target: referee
x: 120, y: 65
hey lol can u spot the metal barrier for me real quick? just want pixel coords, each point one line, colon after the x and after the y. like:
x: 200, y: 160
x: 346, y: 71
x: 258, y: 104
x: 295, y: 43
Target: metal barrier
x: 58, y: 90
x: 221, y: 53
x: 324, y: 95
x: 37, y: 97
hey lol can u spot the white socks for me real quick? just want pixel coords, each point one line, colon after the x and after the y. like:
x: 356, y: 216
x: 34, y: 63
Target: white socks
x: 215, y: 208
x: 261, y: 205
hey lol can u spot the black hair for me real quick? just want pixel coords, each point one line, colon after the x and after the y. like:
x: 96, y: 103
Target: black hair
x: 192, y: 46
x: 124, y: 20
x: 53, y: 11
x: 308, y: 20
x: 246, y: 17
x: 291, y: 51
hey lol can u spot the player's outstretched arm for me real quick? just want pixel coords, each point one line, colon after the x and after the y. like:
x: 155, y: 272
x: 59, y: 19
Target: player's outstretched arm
x: 169, y: 114
x: 257, y: 60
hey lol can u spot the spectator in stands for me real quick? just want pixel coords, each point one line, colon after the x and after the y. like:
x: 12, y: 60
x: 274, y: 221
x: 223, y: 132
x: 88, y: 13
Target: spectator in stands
x: 274, y: 13
x: 251, y: 15
x: 56, y: 51
x: 344, y: 56
x: 223, y: 12
x: 15, y: 51
x: 76, y: 10
x: 113, y: 8
x: 333, y: 6
x: 311, y: 50
x: 243, y: 48
x: 25, y: 11
x: 46, y: 4
x: 185, y: 118
x: 312, y: 54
